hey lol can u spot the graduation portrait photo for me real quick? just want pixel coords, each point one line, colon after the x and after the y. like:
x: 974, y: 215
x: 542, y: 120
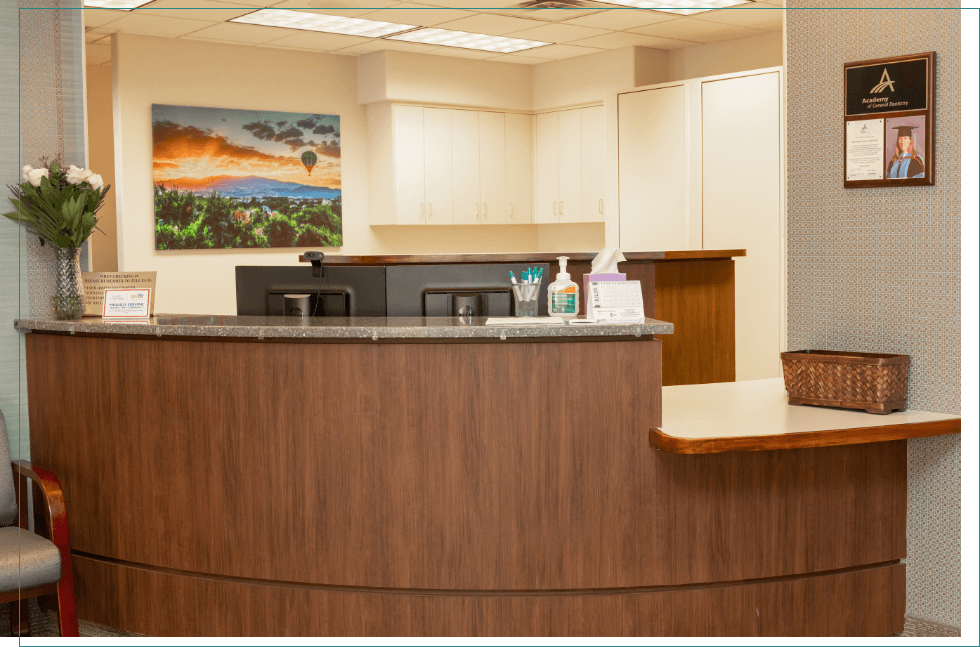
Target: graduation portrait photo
x: 905, y: 147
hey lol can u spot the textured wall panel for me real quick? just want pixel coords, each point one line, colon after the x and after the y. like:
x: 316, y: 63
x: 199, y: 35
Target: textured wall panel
x: 878, y: 269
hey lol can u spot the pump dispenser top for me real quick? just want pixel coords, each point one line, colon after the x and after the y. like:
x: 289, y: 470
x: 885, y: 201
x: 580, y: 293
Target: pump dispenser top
x: 562, y: 270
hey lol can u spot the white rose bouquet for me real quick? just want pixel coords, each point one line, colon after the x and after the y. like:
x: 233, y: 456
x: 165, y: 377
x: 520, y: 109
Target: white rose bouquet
x: 58, y: 205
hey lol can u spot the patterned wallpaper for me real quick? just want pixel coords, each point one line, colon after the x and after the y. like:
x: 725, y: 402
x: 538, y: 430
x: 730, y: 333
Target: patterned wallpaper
x: 878, y: 270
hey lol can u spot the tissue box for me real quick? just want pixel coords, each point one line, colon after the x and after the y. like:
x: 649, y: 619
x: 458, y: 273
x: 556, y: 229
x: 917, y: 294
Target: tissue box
x: 588, y: 278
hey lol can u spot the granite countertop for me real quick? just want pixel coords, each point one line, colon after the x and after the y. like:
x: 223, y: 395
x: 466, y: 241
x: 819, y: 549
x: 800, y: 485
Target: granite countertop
x: 336, y: 327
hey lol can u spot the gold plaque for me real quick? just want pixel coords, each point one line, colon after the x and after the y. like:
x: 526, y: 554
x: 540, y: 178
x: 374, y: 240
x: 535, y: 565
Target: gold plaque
x: 96, y: 284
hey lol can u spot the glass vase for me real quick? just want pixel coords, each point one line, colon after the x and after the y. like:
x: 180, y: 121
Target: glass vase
x: 69, y: 294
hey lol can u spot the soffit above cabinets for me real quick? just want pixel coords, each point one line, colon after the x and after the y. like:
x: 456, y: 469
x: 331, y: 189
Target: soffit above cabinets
x: 589, y: 28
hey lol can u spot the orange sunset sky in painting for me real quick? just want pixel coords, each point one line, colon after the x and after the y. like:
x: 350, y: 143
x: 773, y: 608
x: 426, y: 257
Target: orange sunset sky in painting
x: 195, y: 147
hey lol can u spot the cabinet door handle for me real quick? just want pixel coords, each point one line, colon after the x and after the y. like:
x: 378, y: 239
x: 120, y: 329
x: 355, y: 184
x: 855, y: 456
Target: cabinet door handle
x: 600, y: 205
x: 477, y: 210
x: 554, y: 208
x: 430, y: 209
x: 422, y: 210
x: 484, y: 209
x: 561, y: 207
x: 511, y: 206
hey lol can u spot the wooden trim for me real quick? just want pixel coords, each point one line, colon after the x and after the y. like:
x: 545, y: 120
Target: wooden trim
x: 802, y: 440
x: 27, y: 594
x: 530, y: 257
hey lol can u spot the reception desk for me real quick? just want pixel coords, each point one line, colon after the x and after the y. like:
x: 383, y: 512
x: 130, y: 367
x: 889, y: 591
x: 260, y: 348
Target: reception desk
x: 244, y: 476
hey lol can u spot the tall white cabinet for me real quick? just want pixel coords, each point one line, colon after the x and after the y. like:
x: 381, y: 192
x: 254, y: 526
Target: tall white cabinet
x: 700, y: 168
x: 442, y: 166
x: 570, y: 153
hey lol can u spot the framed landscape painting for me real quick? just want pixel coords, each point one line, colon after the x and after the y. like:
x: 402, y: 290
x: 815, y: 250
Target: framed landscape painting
x: 232, y: 179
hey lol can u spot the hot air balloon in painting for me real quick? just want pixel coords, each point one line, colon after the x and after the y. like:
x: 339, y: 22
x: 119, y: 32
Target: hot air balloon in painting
x: 309, y: 161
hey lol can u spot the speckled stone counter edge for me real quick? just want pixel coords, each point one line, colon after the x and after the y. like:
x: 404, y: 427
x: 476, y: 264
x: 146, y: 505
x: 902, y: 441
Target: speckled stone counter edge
x: 349, y: 330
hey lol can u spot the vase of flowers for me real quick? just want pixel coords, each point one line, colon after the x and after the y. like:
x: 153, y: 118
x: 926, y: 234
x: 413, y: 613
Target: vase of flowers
x: 59, y: 206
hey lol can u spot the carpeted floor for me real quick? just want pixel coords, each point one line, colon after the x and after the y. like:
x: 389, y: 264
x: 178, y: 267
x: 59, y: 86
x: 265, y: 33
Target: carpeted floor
x: 44, y: 623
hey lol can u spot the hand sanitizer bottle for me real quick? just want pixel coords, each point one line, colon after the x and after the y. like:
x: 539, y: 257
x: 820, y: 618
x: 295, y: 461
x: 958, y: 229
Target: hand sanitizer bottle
x: 563, y: 294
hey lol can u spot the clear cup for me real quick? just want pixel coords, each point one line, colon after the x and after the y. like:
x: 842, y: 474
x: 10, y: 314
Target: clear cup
x: 526, y: 299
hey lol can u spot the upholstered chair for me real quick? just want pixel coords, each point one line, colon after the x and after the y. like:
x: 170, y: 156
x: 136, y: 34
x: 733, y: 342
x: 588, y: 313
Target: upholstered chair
x: 34, y: 564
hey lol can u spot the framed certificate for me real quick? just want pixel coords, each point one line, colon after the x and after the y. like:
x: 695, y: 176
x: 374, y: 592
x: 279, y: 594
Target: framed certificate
x: 889, y: 121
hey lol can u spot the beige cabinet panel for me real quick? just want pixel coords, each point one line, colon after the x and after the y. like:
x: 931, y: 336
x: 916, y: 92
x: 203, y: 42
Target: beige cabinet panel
x: 438, y: 145
x: 518, y: 169
x: 546, y: 167
x: 741, y: 208
x: 409, y: 165
x: 653, y: 209
x: 570, y: 165
x: 593, y: 164
x: 467, y: 204
x: 493, y: 168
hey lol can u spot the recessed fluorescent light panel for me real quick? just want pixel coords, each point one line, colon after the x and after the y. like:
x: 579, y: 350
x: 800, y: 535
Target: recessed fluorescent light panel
x: 321, y: 22
x: 466, y: 40
x: 125, y: 5
x: 683, y: 7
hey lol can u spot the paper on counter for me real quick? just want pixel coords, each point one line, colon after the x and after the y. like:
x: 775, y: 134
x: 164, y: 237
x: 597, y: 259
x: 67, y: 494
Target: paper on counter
x: 524, y: 321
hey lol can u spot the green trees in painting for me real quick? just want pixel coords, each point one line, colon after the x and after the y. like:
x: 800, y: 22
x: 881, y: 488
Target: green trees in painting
x: 185, y: 220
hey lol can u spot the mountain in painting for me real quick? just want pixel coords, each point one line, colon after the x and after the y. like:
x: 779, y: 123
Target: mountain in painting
x: 250, y: 186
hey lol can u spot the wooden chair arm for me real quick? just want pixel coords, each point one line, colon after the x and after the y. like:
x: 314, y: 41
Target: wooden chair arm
x: 49, y: 507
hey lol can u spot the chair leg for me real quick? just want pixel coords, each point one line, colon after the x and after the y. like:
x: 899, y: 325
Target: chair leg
x: 20, y: 618
x: 67, y: 618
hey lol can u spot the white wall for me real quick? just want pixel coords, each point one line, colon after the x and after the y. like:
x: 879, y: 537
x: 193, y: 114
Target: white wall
x: 391, y: 75
x: 157, y: 70
x: 739, y: 55
x: 589, y: 79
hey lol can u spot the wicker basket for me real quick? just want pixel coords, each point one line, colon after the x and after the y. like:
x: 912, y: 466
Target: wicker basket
x: 875, y: 382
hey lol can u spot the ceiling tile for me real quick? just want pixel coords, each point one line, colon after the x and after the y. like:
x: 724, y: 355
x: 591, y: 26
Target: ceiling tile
x: 547, y: 15
x: 238, y: 33
x: 99, y: 17
x: 485, y: 23
x: 555, y: 52
x: 557, y: 33
x: 91, y: 36
x: 775, y: 3
x: 523, y: 60
x: 696, y: 30
x: 459, y: 52
x: 134, y: 23
x: 318, y: 41
x: 97, y: 54
x: 378, y: 44
x: 195, y: 10
x: 755, y: 16
x: 616, y: 40
x: 473, y: 4
x: 417, y: 14
x: 619, y: 19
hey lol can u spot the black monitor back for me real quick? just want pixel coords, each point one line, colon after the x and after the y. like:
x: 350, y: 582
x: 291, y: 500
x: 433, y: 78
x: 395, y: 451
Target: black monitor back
x: 344, y: 291
x: 441, y: 290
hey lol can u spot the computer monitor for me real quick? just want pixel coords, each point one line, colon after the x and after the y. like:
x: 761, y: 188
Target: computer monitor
x: 451, y: 290
x: 343, y: 291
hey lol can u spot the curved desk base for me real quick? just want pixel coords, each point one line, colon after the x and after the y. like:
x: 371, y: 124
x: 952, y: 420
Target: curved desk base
x: 861, y: 602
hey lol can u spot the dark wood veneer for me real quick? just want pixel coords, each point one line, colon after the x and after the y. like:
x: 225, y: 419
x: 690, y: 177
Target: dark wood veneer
x: 520, y: 257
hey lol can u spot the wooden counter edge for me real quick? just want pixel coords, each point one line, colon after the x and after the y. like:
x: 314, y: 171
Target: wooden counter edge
x: 530, y: 257
x: 802, y: 440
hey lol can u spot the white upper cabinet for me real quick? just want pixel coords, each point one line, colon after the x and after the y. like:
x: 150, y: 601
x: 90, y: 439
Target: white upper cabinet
x: 493, y: 167
x: 409, y: 189
x: 593, y: 164
x: 546, y: 167
x: 570, y: 165
x: 467, y: 205
x: 438, y: 137
x: 518, y: 169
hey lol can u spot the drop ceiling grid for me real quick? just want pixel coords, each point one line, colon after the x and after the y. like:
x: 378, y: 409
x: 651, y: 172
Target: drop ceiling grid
x: 574, y: 32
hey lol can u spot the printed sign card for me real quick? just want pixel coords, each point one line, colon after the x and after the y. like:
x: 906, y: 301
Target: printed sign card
x: 126, y: 304
x: 95, y: 284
